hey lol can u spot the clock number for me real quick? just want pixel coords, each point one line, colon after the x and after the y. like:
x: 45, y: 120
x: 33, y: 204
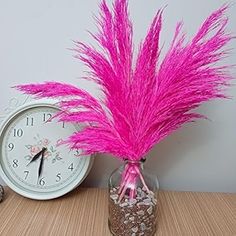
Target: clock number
x: 47, y: 117
x: 42, y: 182
x: 71, y: 167
x: 18, y: 133
x: 29, y: 121
x: 26, y: 172
x: 63, y: 124
x: 11, y: 146
x: 15, y: 163
x: 58, y: 179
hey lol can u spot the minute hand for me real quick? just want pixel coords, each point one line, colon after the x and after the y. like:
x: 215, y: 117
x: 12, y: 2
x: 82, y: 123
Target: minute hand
x: 41, y: 163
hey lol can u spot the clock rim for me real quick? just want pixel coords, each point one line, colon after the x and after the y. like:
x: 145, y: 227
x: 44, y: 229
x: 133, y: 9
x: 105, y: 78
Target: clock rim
x: 34, y: 194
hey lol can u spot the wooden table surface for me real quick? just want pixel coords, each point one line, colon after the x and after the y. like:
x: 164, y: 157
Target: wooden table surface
x: 84, y: 213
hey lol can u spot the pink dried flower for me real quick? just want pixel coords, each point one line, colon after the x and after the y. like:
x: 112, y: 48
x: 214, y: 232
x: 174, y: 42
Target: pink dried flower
x: 146, y: 100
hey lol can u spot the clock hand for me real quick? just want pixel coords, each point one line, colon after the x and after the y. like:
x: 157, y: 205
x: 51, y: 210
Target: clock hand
x: 41, y: 163
x: 35, y: 157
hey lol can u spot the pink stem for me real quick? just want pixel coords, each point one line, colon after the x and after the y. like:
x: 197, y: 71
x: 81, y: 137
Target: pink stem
x: 128, y: 181
x: 134, y: 176
x: 124, y: 178
x: 130, y: 178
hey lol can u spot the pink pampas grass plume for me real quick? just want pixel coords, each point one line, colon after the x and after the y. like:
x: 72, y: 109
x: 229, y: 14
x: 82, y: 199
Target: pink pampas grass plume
x: 147, y: 99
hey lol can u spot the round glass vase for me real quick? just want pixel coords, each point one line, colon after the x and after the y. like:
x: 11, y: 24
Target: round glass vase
x: 133, y: 200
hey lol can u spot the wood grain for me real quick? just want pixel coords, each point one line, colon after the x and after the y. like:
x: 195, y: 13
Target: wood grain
x: 84, y: 213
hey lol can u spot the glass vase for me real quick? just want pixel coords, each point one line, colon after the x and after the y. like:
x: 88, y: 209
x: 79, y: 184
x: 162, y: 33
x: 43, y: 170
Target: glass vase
x: 133, y: 200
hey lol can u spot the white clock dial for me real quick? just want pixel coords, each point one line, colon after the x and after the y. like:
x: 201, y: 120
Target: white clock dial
x: 31, y: 159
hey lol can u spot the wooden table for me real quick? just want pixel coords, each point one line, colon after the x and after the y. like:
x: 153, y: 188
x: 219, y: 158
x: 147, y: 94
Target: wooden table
x: 84, y: 213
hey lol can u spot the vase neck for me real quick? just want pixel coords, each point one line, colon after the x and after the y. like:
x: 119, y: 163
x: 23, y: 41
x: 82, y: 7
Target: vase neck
x: 138, y: 163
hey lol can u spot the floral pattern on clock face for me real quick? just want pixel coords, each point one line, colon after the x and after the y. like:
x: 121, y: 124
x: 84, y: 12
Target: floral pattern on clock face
x: 32, y: 157
x: 51, y: 152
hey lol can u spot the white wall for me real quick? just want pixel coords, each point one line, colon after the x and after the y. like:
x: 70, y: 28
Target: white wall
x: 34, y: 39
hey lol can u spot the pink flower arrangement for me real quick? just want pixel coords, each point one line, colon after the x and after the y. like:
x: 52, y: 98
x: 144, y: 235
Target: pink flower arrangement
x: 146, y: 99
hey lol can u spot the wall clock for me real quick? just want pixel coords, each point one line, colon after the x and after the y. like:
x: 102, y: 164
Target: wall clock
x: 31, y: 162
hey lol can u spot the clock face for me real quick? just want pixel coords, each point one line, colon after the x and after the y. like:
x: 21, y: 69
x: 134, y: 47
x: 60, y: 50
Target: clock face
x: 32, y: 160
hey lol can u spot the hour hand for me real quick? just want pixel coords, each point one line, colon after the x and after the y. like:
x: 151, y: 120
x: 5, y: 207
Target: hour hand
x: 36, y: 157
